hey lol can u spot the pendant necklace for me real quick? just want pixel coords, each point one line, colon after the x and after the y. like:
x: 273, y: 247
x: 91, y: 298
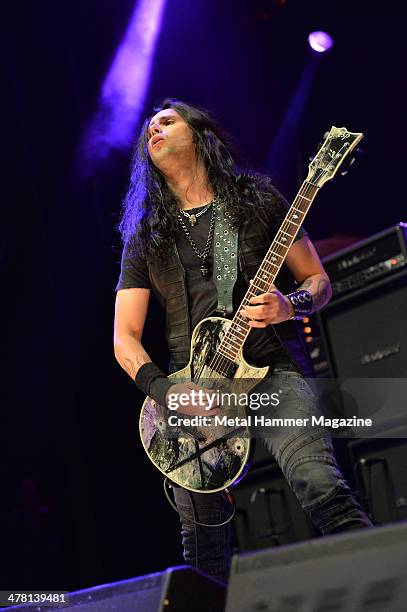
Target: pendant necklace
x: 192, y: 217
x: 201, y: 254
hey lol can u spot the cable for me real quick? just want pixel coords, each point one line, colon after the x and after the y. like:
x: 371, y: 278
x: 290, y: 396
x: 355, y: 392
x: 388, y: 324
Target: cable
x: 195, y: 528
x: 228, y: 495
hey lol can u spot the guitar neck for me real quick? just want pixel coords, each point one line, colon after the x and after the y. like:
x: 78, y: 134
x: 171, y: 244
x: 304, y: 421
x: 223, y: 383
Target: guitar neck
x: 269, y: 268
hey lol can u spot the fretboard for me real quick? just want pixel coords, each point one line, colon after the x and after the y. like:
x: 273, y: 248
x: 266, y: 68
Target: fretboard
x: 269, y: 268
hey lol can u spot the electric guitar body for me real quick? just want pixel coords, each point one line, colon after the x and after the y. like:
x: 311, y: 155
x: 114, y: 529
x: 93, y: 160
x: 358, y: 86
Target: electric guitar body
x: 205, y: 457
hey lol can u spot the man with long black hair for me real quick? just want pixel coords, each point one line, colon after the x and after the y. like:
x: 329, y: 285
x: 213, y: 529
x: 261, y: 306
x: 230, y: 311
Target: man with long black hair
x: 182, y: 167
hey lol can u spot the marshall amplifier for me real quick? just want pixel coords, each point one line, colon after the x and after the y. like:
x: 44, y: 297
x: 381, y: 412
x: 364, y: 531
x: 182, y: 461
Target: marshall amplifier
x: 364, y: 332
x: 363, y: 324
x: 365, y: 340
x: 362, y: 263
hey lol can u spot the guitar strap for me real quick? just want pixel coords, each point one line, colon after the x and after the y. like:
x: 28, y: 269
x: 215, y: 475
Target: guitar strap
x: 224, y: 259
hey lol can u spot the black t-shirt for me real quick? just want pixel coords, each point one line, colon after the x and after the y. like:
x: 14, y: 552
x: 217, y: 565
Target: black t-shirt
x: 260, y: 348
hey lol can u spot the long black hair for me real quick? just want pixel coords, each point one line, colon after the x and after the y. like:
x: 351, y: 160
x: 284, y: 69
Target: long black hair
x: 149, y: 217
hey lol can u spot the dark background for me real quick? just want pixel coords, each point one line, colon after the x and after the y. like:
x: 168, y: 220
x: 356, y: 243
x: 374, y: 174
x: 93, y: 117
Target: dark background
x: 81, y: 503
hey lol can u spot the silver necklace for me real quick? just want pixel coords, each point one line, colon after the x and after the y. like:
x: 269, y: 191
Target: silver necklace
x: 192, y: 217
x: 201, y: 254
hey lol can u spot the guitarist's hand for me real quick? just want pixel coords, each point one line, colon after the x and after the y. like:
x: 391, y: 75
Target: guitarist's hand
x: 271, y: 307
x: 186, y: 399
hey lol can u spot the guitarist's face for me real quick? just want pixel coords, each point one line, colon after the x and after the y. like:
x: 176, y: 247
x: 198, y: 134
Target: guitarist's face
x: 170, y: 139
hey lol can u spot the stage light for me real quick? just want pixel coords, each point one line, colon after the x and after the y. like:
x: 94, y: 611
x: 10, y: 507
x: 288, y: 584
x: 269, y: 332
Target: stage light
x: 320, y: 41
x: 124, y: 88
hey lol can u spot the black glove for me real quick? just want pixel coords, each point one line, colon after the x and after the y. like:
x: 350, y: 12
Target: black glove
x: 153, y: 382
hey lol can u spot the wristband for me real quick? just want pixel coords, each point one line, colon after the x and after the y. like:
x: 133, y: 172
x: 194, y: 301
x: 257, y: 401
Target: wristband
x: 153, y: 382
x: 302, y: 303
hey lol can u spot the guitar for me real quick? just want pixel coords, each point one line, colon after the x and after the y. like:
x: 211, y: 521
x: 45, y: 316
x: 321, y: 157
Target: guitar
x: 212, y: 453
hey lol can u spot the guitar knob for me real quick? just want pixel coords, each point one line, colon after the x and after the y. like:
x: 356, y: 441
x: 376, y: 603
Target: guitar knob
x: 239, y: 447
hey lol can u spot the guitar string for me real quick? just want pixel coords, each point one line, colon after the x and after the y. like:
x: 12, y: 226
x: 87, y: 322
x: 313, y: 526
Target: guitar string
x: 308, y: 189
x: 231, y: 335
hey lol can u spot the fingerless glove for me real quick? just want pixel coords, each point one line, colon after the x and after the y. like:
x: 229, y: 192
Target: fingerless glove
x: 153, y: 382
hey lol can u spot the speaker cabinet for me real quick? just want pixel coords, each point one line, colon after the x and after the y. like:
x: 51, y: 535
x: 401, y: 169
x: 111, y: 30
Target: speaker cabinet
x: 359, y: 570
x: 379, y: 468
x: 365, y: 339
x: 365, y: 333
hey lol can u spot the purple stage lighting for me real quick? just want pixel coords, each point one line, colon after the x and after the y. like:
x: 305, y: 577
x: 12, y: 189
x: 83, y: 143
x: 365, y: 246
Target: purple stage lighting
x: 125, y: 85
x: 320, y: 41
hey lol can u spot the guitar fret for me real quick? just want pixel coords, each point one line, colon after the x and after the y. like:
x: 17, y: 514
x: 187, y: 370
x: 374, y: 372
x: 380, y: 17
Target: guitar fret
x: 263, y: 287
x: 239, y: 335
x: 256, y: 287
x: 293, y: 222
x: 272, y: 264
x: 226, y: 354
x: 265, y: 284
x: 298, y: 210
x: 267, y: 279
x: 230, y: 340
x: 249, y: 293
x: 241, y: 322
x: 263, y: 270
x: 283, y: 245
x: 304, y: 198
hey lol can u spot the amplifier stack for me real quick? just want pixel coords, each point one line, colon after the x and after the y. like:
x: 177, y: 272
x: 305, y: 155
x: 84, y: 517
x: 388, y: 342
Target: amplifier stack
x: 362, y: 332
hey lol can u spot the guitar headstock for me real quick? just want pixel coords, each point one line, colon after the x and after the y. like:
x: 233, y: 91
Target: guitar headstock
x: 335, y: 149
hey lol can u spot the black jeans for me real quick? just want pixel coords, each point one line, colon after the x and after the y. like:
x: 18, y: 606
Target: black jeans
x: 306, y: 457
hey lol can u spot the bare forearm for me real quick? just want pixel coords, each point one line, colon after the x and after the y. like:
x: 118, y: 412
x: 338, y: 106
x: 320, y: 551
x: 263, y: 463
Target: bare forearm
x: 130, y: 354
x: 320, y: 289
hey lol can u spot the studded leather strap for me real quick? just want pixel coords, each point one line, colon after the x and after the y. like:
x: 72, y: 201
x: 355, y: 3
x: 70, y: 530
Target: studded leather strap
x: 224, y: 259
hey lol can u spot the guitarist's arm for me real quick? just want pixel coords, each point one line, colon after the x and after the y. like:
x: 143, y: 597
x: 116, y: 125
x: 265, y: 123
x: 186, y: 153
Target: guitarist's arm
x: 307, y: 269
x: 130, y: 316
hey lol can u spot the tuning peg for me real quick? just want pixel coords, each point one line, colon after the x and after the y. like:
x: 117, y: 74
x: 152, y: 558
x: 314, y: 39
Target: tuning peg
x: 347, y: 166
